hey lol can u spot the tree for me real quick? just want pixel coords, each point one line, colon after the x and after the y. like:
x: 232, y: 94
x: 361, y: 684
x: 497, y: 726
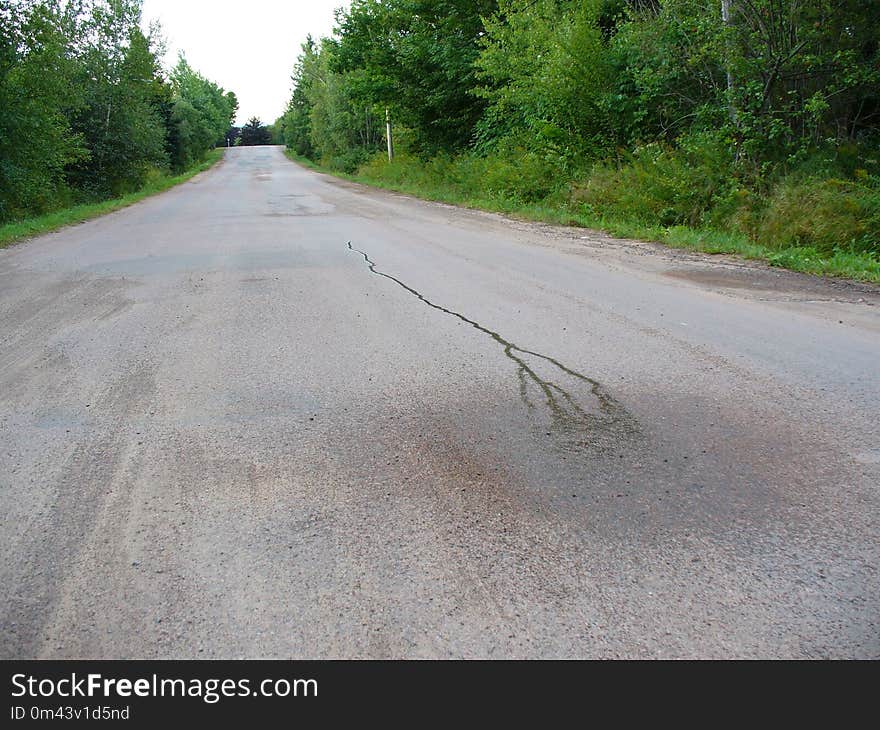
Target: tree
x: 38, y: 94
x: 255, y: 133
x: 121, y: 120
x: 805, y: 72
x: 327, y: 116
x: 296, y: 123
x: 87, y: 111
x: 202, y: 114
x: 416, y: 56
x: 545, y: 70
x: 276, y: 131
x: 233, y: 136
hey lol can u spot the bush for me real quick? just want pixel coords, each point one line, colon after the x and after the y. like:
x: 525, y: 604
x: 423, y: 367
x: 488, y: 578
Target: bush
x: 661, y: 185
x: 520, y: 175
x: 348, y: 161
x: 523, y: 177
x: 825, y: 215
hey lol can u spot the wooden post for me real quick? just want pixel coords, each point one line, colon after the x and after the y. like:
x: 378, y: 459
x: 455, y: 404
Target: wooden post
x: 388, y: 134
x: 726, y: 21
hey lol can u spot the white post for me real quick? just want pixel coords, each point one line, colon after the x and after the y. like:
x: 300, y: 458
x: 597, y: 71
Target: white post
x: 388, y: 134
x: 725, y: 19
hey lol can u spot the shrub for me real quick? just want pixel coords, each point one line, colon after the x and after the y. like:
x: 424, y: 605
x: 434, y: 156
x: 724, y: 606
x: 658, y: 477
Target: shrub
x: 518, y: 176
x: 824, y: 215
x: 347, y: 162
x: 661, y: 185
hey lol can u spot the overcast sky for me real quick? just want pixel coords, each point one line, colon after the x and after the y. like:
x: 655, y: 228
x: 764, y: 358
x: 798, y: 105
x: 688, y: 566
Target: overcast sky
x: 248, y: 46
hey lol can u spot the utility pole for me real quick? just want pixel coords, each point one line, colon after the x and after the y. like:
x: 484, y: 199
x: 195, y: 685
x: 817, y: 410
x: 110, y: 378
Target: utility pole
x: 725, y: 19
x: 388, y: 134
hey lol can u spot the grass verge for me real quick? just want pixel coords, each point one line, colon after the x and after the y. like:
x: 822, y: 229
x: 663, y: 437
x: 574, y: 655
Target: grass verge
x: 804, y: 259
x: 18, y: 230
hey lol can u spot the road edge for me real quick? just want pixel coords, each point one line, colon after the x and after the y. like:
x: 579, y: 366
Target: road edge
x: 762, y: 261
x: 66, y: 217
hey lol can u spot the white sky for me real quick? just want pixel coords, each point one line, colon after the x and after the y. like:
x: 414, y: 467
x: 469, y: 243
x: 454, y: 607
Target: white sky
x: 248, y: 47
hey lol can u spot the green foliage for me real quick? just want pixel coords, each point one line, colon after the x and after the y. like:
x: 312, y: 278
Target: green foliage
x: 87, y: 111
x: 255, y: 133
x: 416, y: 57
x: 296, y: 123
x: 120, y: 121
x: 577, y: 80
x: 201, y: 115
x: 324, y: 118
x: 756, y: 133
x: 157, y: 183
x: 37, y: 96
x: 276, y: 131
x: 668, y: 71
x: 522, y: 178
x: 545, y: 71
x: 662, y: 184
x: 825, y: 215
x: 803, y: 73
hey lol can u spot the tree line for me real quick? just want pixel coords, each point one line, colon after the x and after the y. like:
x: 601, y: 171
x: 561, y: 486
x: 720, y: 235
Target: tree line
x: 86, y: 110
x: 252, y: 133
x: 718, y: 113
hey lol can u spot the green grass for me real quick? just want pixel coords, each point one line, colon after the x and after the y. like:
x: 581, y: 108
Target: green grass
x: 431, y: 184
x: 18, y: 230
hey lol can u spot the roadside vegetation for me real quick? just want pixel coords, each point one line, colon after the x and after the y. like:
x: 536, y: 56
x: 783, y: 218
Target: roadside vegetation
x: 90, y: 121
x: 726, y: 126
x: 253, y: 133
x: 157, y: 182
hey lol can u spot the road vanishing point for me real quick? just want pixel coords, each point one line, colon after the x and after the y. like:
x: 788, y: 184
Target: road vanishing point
x: 270, y: 413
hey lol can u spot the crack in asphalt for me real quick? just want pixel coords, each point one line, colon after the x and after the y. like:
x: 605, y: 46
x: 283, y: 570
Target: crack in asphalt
x: 574, y: 418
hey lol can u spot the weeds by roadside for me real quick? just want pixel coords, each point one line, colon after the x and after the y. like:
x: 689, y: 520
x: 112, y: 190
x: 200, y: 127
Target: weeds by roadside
x: 17, y: 230
x: 826, y: 227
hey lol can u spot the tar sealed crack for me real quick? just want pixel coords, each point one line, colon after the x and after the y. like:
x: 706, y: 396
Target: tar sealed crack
x: 600, y: 421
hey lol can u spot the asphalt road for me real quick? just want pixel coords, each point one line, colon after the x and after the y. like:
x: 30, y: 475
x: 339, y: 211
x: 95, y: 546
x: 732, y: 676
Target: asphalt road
x: 272, y: 414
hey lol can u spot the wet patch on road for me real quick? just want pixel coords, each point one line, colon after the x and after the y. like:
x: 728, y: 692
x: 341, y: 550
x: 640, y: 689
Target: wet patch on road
x: 597, y: 420
x: 728, y: 278
x: 776, y: 284
x: 297, y: 205
x: 871, y: 456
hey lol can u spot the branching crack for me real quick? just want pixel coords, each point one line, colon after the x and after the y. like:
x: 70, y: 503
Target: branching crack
x: 564, y: 409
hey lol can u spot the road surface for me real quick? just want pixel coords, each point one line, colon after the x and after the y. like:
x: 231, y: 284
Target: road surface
x: 272, y: 414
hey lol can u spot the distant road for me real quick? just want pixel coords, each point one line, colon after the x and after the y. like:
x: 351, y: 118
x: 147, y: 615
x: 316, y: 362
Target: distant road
x: 272, y: 414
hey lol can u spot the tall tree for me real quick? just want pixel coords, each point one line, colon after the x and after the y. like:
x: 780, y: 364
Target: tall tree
x: 121, y: 120
x: 416, y: 56
x: 38, y: 94
x: 296, y: 123
x: 255, y: 133
x: 202, y: 114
